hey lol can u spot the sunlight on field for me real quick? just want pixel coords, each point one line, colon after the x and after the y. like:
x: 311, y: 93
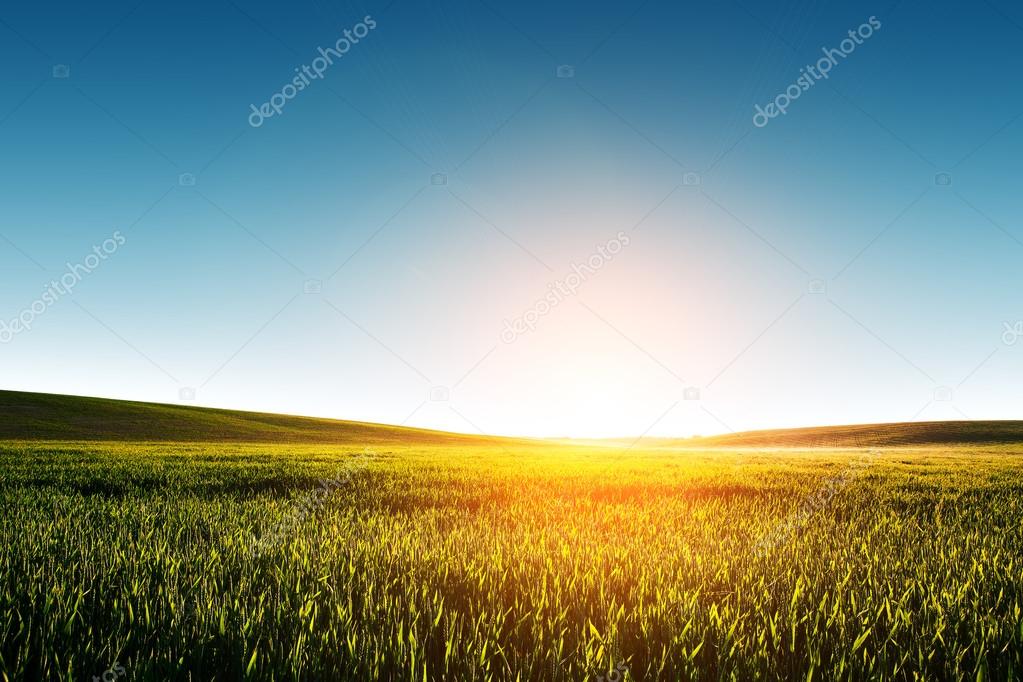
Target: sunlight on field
x: 509, y: 562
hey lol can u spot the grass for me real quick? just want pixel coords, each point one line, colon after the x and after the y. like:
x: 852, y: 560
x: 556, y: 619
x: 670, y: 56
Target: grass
x: 879, y: 435
x: 508, y: 560
x: 44, y: 416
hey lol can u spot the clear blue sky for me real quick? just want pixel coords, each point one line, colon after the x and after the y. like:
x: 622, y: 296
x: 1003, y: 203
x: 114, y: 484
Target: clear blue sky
x: 716, y: 290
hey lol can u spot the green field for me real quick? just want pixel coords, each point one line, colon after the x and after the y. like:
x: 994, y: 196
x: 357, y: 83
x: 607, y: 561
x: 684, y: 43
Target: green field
x: 351, y: 551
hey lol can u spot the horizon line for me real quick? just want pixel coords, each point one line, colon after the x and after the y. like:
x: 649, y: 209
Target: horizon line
x: 580, y: 439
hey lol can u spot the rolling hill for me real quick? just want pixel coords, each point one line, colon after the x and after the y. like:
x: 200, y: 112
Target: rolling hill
x: 871, y: 435
x: 44, y: 416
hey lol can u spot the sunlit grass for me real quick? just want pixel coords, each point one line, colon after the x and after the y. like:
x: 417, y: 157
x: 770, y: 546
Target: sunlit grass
x: 508, y: 562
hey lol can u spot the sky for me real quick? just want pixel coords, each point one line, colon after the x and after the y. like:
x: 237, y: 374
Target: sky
x: 528, y: 218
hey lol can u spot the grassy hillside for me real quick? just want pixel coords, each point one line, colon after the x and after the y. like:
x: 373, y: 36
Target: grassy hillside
x: 868, y: 435
x: 200, y: 561
x: 43, y: 416
x: 346, y: 551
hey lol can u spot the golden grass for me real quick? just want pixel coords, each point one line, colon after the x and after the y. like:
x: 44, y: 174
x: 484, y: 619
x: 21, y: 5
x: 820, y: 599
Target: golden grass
x: 505, y: 562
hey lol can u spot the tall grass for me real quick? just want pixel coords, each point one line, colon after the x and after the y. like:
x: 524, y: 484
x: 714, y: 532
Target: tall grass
x: 477, y: 563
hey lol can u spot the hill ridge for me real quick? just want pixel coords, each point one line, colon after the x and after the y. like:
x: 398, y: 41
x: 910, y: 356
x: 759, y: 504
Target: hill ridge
x: 48, y: 416
x: 880, y: 435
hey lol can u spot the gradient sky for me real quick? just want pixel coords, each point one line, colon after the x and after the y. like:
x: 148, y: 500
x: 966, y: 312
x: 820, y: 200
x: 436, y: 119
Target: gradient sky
x: 715, y: 291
